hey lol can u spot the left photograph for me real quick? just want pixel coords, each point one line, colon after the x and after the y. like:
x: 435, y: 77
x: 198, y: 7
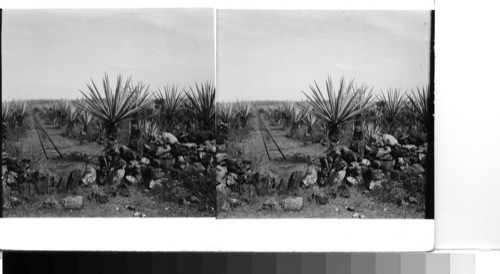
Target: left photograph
x: 108, y: 113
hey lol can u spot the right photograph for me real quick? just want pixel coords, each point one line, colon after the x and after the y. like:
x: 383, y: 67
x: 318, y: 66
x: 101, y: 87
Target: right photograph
x: 325, y: 114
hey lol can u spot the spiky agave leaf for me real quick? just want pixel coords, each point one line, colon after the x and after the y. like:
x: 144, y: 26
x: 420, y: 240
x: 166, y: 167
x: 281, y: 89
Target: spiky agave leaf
x: 244, y: 113
x: 226, y: 112
x: 19, y: 112
x: 392, y: 102
x: 309, y: 119
x: 86, y: 118
x: 373, y: 130
x: 170, y: 100
x: 420, y: 101
x: 6, y: 112
x: 340, y: 107
x: 113, y: 108
x: 150, y: 128
x: 297, y: 114
x: 202, y: 103
x: 73, y: 113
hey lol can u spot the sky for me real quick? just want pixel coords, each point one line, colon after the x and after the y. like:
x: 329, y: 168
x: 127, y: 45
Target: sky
x: 275, y: 55
x: 51, y: 54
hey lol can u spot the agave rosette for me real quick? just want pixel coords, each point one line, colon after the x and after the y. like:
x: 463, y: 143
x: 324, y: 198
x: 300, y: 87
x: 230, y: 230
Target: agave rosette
x: 117, y: 107
x: 341, y: 106
x: 202, y: 103
x: 420, y: 101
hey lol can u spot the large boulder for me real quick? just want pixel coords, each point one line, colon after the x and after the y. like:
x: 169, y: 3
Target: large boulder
x: 89, y: 178
x: 389, y: 140
x: 12, y: 178
x: 416, y: 168
x: 270, y: 204
x: 156, y: 184
x: 169, y: 138
x: 352, y: 181
x: 163, y: 152
x: 49, y: 203
x: 382, y: 152
x: 232, y: 179
x: 376, y: 185
x: 311, y: 177
x: 336, y: 178
x: 131, y: 180
x: 72, y: 202
x: 115, y: 177
x: 292, y: 203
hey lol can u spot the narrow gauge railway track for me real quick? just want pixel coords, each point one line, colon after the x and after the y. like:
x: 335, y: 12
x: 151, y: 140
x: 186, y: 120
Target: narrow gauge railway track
x: 40, y: 130
x: 263, y: 129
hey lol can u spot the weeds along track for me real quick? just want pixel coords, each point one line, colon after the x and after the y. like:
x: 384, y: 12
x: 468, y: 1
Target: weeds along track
x: 39, y: 128
x: 263, y: 129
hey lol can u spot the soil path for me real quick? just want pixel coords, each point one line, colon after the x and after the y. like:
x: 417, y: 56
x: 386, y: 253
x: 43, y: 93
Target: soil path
x: 299, y: 157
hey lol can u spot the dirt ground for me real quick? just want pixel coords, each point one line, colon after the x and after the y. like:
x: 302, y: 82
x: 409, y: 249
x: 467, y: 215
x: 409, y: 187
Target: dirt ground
x: 299, y: 156
x: 78, y: 155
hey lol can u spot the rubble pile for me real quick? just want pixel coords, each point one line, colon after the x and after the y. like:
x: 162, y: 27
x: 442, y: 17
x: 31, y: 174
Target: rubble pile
x: 368, y: 166
x: 164, y: 164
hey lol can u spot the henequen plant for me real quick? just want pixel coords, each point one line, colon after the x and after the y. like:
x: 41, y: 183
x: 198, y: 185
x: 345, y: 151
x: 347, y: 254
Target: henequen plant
x: 202, y: 104
x: 73, y: 114
x: 113, y: 108
x: 244, y: 113
x: 169, y: 102
x: 392, y: 104
x: 309, y: 120
x: 225, y: 113
x: 340, y: 106
x: 420, y: 101
x: 20, y: 113
x: 294, y: 115
x: 86, y: 118
x: 150, y: 129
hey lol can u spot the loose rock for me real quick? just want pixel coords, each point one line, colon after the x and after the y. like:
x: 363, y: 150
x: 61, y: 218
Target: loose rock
x: 89, y: 178
x: 292, y: 203
x: 311, y: 177
x: 72, y: 202
x: 270, y: 204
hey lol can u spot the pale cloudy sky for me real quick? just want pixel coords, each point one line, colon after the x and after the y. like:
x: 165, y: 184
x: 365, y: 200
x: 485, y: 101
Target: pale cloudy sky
x: 274, y: 55
x: 53, y: 53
